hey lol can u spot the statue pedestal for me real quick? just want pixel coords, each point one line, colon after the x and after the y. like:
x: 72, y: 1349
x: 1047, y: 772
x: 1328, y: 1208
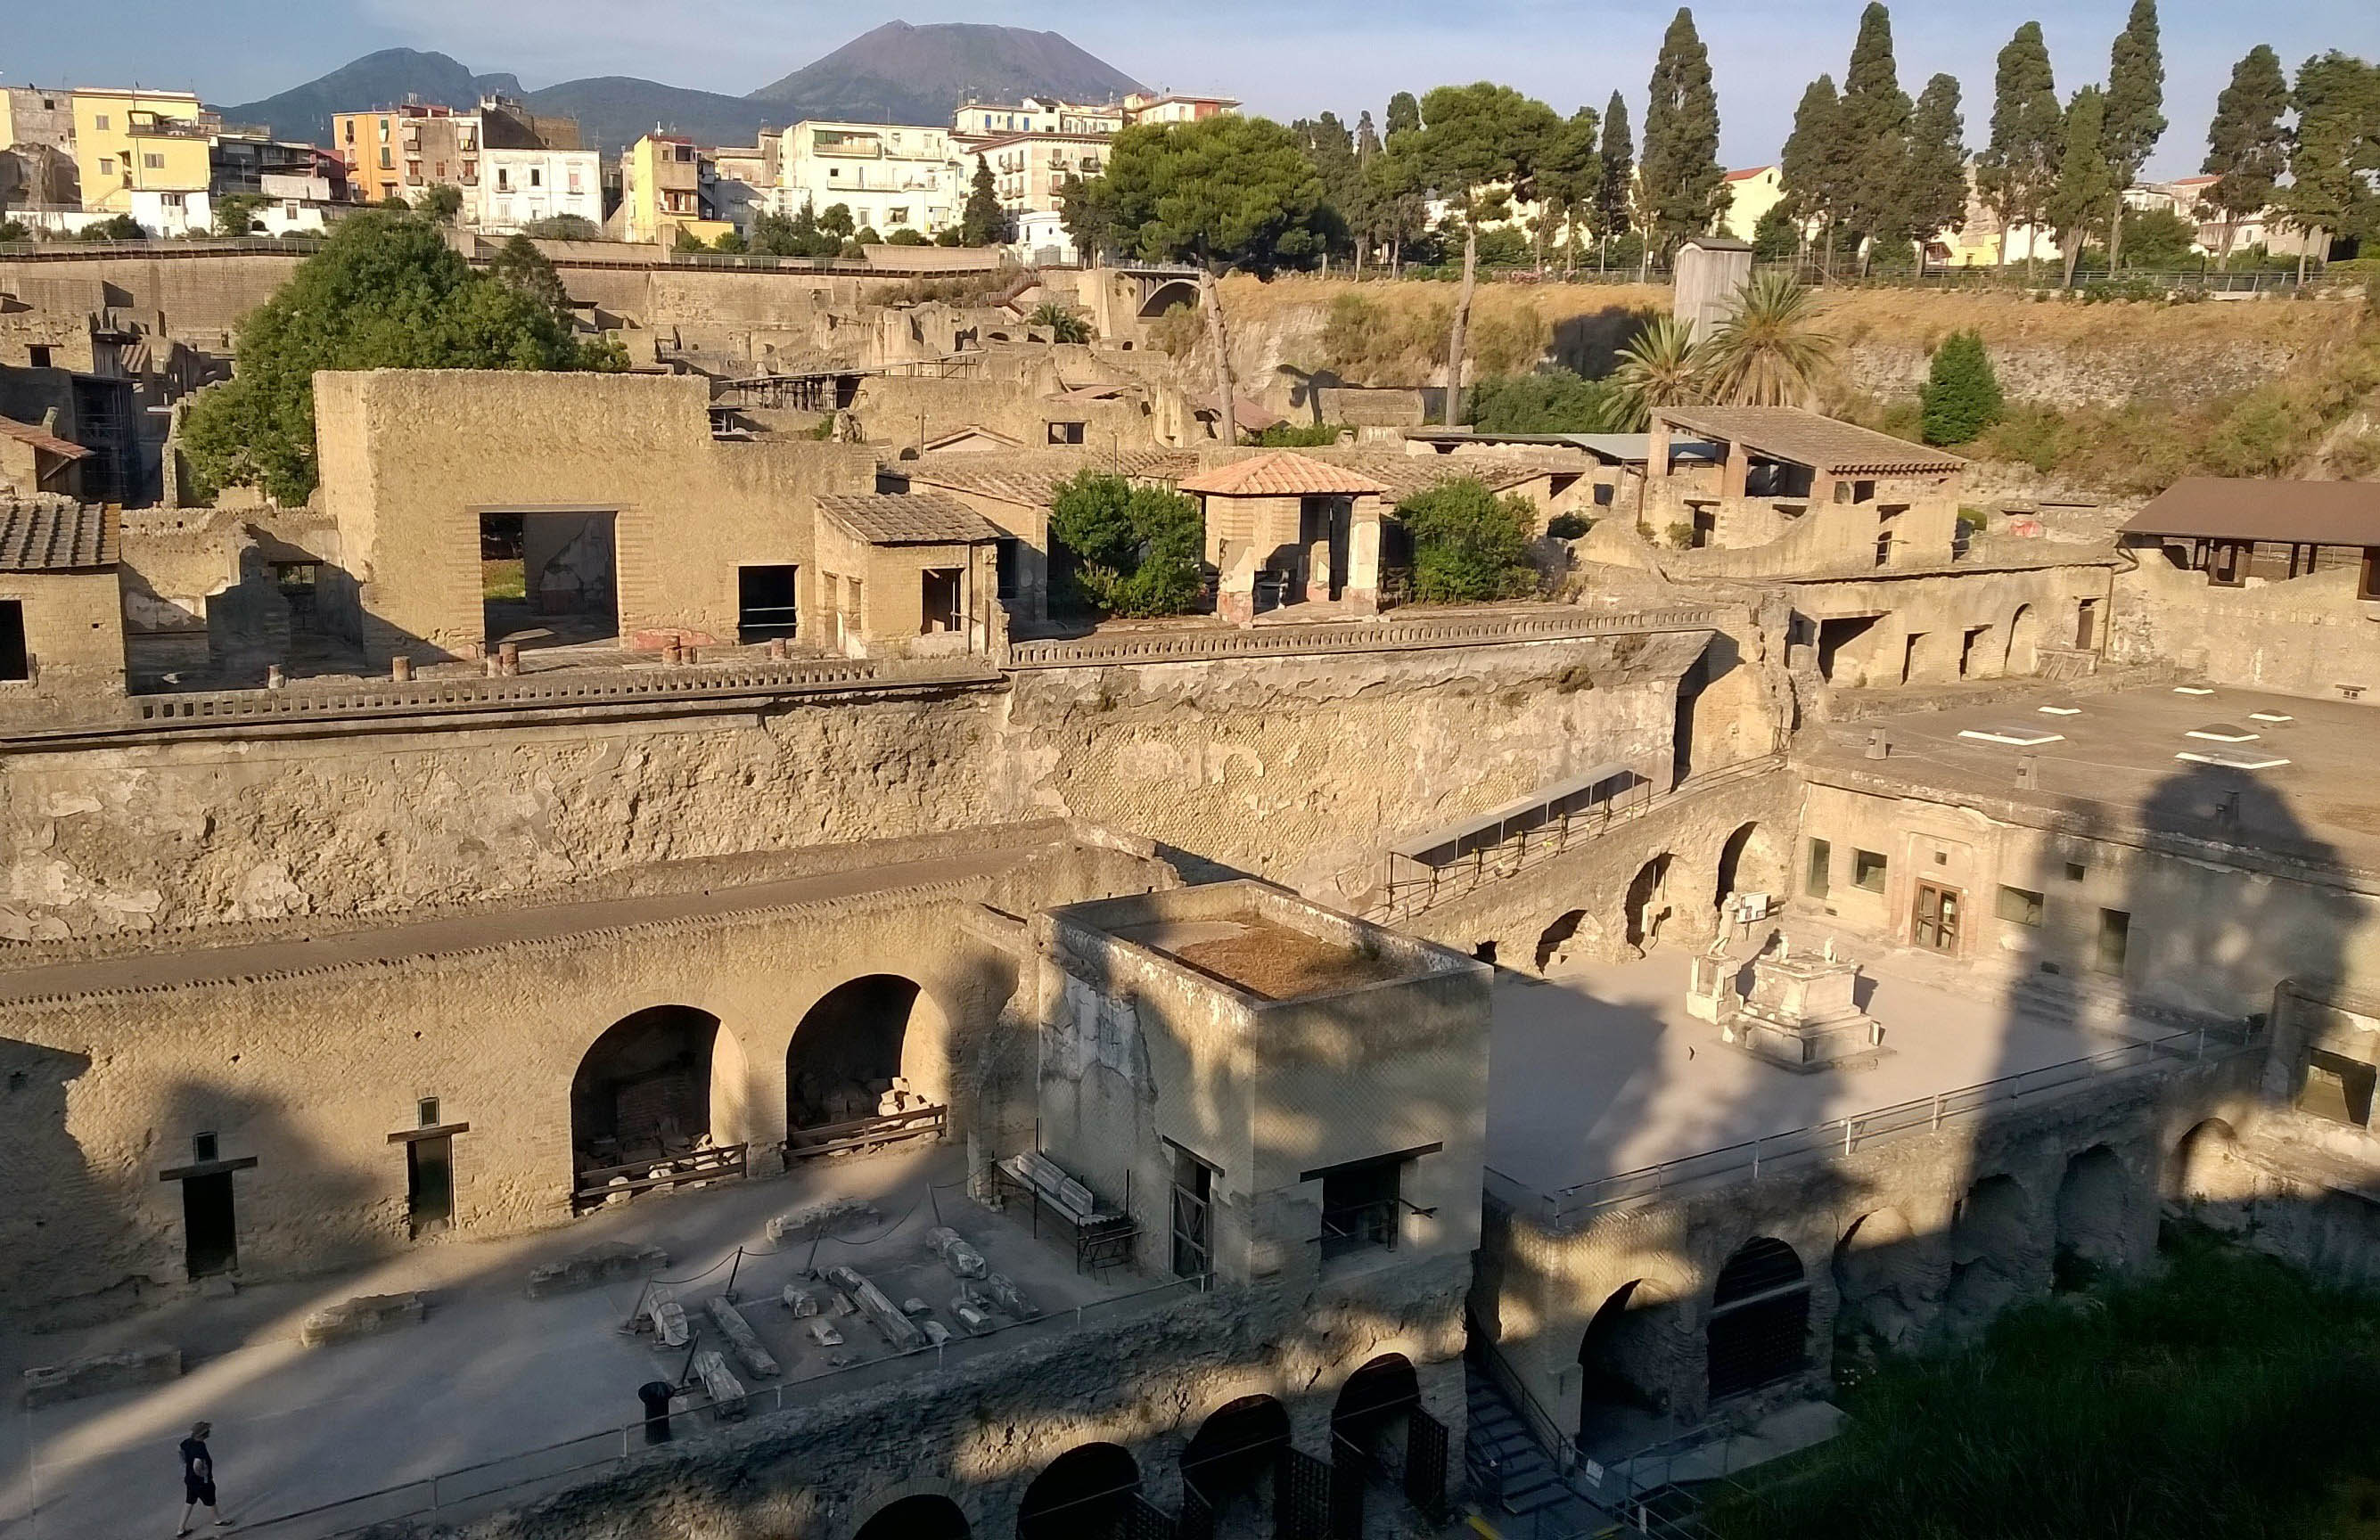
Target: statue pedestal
x: 1802, y: 1014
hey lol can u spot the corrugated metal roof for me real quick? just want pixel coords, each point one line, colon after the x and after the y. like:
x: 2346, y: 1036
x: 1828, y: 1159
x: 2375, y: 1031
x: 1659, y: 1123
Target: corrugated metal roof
x: 47, y: 533
x: 1808, y: 439
x: 908, y: 518
x: 2306, y: 512
x: 1282, y: 474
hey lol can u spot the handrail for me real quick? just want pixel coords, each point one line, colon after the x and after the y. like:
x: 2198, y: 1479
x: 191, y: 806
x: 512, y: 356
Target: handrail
x: 1561, y: 1446
x: 1846, y: 1135
x: 1394, y: 633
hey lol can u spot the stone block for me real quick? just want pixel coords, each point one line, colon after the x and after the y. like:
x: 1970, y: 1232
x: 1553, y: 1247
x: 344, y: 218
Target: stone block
x: 100, y: 1372
x: 800, y: 1301
x: 666, y: 1317
x: 936, y: 1332
x: 898, y: 1330
x: 975, y: 1320
x: 726, y: 1392
x: 1007, y: 1298
x: 594, y: 1268
x: 961, y: 1258
x: 821, y: 1219
x: 743, y: 1339
x: 823, y: 1333
x: 365, y: 1316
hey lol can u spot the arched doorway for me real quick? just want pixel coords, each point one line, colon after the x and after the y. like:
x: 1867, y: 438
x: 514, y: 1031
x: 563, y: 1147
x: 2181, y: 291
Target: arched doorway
x: 1647, y: 902
x: 643, y: 1089
x: 1880, y: 1276
x: 2024, y: 641
x: 1760, y: 1318
x: 1555, y: 940
x: 846, y: 1053
x: 2091, y: 1210
x: 1084, y: 1494
x: 1745, y: 865
x: 1371, y: 1429
x: 921, y: 1517
x: 1990, y: 1240
x: 2207, y: 1169
x: 1616, y: 1403
x: 1233, y: 1462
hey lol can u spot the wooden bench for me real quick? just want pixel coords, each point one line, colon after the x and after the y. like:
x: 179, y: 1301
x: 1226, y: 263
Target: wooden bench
x: 1103, y: 1236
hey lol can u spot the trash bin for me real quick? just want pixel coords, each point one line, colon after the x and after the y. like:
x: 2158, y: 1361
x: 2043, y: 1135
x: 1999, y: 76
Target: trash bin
x: 656, y: 1394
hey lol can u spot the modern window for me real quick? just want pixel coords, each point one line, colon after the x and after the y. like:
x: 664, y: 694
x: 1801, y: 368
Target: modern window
x: 2114, y: 940
x: 1362, y: 1202
x: 1868, y: 870
x: 939, y: 592
x: 108, y: 165
x: 2019, y: 906
x: 38, y: 356
x: 536, y: 177
x: 1066, y: 432
x: 1815, y: 881
x: 149, y: 161
x: 99, y: 122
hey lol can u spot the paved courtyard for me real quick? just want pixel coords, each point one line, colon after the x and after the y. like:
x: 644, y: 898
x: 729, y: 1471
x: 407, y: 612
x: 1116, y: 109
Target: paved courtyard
x: 491, y: 1374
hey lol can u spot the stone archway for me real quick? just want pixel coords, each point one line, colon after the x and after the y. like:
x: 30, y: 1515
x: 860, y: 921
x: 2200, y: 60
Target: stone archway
x: 2094, y: 1207
x: 1759, y: 1319
x: 1084, y: 1494
x: 1554, y: 941
x: 922, y: 1516
x: 1881, y: 1278
x: 2207, y: 1174
x: 846, y: 1054
x: 1620, y: 1398
x: 1233, y: 1463
x: 1747, y: 864
x: 1648, y: 903
x: 643, y: 1089
x: 1991, y: 1246
x: 2024, y: 642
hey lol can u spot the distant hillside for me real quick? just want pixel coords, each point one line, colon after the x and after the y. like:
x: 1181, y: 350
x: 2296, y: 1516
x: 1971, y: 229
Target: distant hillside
x: 895, y: 74
x: 375, y: 80
x: 903, y: 73
x: 615, y: 111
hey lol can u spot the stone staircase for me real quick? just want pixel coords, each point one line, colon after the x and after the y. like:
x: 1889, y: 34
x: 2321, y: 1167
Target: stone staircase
x: 1517, y: 1484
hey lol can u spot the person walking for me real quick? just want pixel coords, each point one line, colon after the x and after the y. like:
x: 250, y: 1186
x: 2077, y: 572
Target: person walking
x: 197, y: 1478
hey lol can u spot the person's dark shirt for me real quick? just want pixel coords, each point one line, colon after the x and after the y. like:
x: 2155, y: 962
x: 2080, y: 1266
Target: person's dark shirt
x: 197, y: 1464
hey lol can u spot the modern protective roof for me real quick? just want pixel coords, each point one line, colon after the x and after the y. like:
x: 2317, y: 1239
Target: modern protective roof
x: 47, y: 533
x: 1282, y: 474
x: 908, y: 518
x: 2308, y: 513
x: 1808, y: 439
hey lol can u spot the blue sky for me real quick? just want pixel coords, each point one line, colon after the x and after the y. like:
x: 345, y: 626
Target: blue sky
x: 1285, y: 60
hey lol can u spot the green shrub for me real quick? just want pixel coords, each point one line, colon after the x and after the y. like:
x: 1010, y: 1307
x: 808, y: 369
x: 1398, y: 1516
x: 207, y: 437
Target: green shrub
x: 1469, y: 545
x: 906, y: 237
x: 1569, y: 526
x: 2032, y: 435
x: 1127, y: 550
x: 1553, y: 401
x: 1298, y: 435
x: 1962, y: 391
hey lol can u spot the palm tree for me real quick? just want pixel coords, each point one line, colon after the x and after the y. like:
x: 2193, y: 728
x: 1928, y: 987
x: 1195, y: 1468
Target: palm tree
x: 1063, y: 324
x: 1660, y: 366
x: 1770, y: 353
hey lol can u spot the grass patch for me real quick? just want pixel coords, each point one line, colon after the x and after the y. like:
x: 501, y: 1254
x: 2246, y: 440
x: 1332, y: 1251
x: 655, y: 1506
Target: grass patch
x: 503, y: 579
x: 2230, y: 1396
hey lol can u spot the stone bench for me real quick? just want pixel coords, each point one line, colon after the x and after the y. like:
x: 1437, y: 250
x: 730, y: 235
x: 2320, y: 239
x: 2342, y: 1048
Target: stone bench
x: 100, y: 1372
x: 367, y: 1316
x: 595, y: 1268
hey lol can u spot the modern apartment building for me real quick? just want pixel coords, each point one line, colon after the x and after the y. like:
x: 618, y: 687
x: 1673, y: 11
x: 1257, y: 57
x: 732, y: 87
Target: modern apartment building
x: 403, y: 151
x: 134, y: 140
x: 891, y: 177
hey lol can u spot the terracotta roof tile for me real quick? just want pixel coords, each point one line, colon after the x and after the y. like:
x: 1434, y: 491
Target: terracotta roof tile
x: 25, y: 432
x: 911, y: 518
x: 1281, y: 474
x: 47, y: 533
x: 1808, y: 439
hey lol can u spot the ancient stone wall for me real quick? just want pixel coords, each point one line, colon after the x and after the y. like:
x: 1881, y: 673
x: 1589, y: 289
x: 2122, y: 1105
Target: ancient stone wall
x: 2301, y: 635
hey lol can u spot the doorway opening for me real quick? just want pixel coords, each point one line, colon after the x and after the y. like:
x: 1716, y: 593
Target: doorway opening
x: 1938, y: 917
x: 643, y: 1090
x: 210, y: 1225
x: 548, y: 579
x: 766, y: 605
x: 1838, y: 637
x: 1193, y: 1198
x: 1616, y: 1404
x: 940, y: 609
x: 1235, y: 1459
x: 1760, y: 1317
x: 15, y: 662
x: 846, y: 1053
x: 430, y: 1185
x: 1084, y: 1494
x: 923, y: 1517
x: 1648, y: 903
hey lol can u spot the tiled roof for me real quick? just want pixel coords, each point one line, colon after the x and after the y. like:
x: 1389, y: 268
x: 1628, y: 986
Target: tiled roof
x: 1403, y: 475
x: 25, y: 432
x: 1281, y: 474
x: 912, y: 518
x: 1808, y: 439
x: 47, y: 533
x: 1029, y: 478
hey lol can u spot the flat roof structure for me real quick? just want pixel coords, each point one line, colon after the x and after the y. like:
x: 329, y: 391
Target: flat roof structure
x: 2303, y: 513
x: 2123, y: 759
x: 1808, y: 439
x: 908, y: 518
x: 1623, y: 449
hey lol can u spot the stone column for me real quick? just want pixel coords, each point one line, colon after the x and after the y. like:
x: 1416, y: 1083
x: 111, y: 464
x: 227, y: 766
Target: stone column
x: 1363, y: 557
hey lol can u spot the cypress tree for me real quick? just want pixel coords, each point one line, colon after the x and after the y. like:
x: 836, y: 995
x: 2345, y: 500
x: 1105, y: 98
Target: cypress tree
x: 2015, y: 170
x: 1404, y: 115
x: 1937, y: 164
x: 2246, y: 151
x: 1962, y: 391
x: 2135, y: 107
x: 1684, y: 185
x: 2336, y: 146
x: 983, y: 222
x: 1811, y: 168
x: 1875, y: 134
x: 2086, y: 187
x: 1618, y: 157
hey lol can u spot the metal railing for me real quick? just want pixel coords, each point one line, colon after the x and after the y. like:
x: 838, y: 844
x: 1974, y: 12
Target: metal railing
x: 1398, y: 633
x: 1565, y: 1207
x: 509, y: 1475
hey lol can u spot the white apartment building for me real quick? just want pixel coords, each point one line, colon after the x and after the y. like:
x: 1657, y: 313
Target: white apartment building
x: 989, y: 120
x: 521, y: 187
x: 891, y: 177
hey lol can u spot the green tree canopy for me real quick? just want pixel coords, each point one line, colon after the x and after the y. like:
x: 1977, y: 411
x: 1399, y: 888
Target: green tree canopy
x: 1555, y: 401
x: 1874, y: 124
x: 2246, y: 148
x: 1683, y: 186
x: 983, y: 222
x: 2335, y: 153
x: 2135, y: 110
x: 385, y: 292
x: 1768, y: 352
x: 1475, y: 135
x: 440, y: 202
x: 1961, y: 396
x: 1227, y: 191
x: 235, y: 212
x: 520, y: 265
x: 563, y: 227
x: 1814, y: 167
x: 1938, y: 163
x: 1616, y: 171
x: 1402, y: 116
x: 1134, y: 549
x: 2085, y: 197
x: 1468, y: 544
x: 2015, y: 170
